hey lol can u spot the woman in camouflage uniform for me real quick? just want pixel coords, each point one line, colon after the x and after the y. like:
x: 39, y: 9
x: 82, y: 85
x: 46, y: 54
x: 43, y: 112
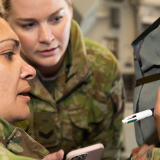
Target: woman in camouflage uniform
x: 77, y: 98
x: 15, y: 144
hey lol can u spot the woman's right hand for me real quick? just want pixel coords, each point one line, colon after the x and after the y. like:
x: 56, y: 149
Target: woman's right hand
x: 55, y: 156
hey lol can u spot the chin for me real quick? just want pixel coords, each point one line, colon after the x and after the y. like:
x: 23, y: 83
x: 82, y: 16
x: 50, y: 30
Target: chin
x: 20, y: 118
x: 50, y: 63
x: 23, y: 115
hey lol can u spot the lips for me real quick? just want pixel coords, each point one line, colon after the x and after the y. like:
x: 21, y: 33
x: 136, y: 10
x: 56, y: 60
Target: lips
x: 48, y: 52
x: 24, y: 94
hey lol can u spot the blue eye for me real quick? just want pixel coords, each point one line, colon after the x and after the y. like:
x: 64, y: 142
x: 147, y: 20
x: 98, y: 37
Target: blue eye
x: 58, y: 18
x: 9, y: 55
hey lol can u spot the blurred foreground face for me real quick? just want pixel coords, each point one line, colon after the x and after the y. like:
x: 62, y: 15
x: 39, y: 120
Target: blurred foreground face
x: 43, y: 27
x: 14, y: 73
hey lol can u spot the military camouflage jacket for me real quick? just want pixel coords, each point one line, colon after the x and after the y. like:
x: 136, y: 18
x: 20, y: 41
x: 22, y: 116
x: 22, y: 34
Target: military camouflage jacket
x: 89, y: 101
x: 15, y: 144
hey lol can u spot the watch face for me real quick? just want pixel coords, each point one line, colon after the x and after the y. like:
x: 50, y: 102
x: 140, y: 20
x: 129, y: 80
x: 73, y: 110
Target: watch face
x: 80, y: 157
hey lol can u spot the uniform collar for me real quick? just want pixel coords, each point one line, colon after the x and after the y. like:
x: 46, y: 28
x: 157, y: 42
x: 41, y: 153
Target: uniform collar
x: 14, y: 137
x: 40, y: 91
x: 6, y: 130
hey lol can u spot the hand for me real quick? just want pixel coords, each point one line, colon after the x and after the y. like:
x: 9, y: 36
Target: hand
x: 139, y: 153
x: 55, y: 156
x: 157, y: 113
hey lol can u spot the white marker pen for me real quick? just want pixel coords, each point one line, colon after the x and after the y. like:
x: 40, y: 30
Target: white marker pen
x: 138, y: 116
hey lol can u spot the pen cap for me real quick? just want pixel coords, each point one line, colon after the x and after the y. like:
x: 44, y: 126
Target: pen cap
x: 147, y: 73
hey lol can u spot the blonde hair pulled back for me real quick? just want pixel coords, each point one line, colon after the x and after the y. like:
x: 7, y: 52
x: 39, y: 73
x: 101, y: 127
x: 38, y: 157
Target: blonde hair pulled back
x: 6, y: 7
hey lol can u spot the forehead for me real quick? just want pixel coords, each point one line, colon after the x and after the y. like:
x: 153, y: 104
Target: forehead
x: 6, y: 32
x: 31, y: 8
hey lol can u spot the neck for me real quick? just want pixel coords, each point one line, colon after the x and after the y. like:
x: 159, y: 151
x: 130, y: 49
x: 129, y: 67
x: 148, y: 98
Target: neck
x: 49, y: 72
x: 52, y: 71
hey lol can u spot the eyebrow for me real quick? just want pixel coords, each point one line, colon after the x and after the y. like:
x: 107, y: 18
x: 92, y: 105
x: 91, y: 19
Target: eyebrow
x: 15, y: 41
x: 32, y: 19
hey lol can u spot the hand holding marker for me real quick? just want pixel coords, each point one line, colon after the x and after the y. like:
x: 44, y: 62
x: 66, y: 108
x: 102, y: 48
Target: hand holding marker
x: 138, y: 116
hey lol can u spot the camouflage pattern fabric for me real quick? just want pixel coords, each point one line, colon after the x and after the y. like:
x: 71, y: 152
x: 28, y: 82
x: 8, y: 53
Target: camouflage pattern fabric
x: 89, y: 101
x: 15, y: 144
x: 5, y: 155
x: 153, y: 154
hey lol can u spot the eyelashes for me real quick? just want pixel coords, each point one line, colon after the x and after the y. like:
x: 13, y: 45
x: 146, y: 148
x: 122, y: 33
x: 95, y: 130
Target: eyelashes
x: 28, y: 26
x: 58, y: 18
x: 9, y: 55
x: 55, y: 19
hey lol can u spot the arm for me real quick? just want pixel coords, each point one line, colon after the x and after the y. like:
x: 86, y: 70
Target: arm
x: 116, y: 101
x: 109, y: 130
x: 109, y: 98
x: 6, y: 154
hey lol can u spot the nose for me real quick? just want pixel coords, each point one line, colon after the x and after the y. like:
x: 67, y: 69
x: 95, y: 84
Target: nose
x: 27, y: 72
x: 45, y: 34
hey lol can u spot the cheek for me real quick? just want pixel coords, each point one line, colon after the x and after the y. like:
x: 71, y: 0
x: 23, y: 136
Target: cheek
x: 8, y: 87
x: 63, y: 32
x: 27, y: 41
x: 9, y: 73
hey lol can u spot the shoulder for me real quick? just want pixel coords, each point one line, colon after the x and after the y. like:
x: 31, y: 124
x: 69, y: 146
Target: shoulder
x: 100, y: 57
